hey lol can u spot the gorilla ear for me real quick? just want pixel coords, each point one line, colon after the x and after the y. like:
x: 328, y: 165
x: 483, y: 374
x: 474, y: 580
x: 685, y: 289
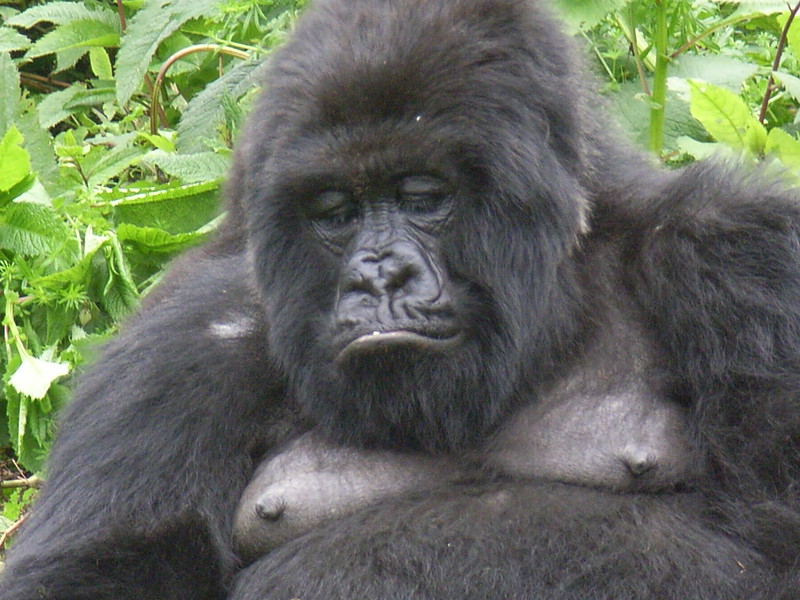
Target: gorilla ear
x: 530, y: 176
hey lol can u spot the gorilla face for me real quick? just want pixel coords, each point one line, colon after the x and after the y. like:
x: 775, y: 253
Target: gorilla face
x: 410, y: 211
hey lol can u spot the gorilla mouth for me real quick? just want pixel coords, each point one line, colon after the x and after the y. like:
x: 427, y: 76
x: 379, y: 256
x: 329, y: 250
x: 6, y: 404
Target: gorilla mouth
x: 376, y: 341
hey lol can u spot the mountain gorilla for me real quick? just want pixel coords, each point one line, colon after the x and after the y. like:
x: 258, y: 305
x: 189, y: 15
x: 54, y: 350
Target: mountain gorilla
x: 435, y: 245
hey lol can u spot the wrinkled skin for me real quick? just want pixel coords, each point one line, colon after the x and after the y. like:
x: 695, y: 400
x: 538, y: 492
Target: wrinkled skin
x: 434, y: 171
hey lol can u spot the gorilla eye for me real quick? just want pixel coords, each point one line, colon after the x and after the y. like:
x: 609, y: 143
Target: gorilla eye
x: 422, y: 194
x: 333, y: 208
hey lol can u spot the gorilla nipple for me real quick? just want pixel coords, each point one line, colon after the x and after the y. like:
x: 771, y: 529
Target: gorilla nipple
x: 270, y: 507
x: 638, y: 459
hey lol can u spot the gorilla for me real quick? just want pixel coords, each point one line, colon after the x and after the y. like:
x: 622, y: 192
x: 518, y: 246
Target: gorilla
x: 437, y: 247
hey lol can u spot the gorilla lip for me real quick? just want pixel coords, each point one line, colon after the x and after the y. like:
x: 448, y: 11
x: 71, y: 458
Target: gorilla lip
x: 381, y: 340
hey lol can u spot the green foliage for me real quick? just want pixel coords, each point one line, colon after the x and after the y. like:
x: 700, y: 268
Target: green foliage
x: 689, y: 78
x: 93, y: 204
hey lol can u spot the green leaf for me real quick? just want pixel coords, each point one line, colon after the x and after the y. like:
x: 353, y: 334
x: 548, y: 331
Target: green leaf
x: 759, y: 7
x: 206, y: 111
x: 9, y: 91
x: 150, y: 239
x: 33, y: 229
x: 793, y: 35
x: 633, y: 110
x: 113, y: 163
x: 723, y: 71
x: 78, y: 274
x: 120, y: 295
x: 585, y: 14
x: 12, y: 40
x: 157, y: 194
x: 700, y: 150
x: 76, y: 35
x: 15, y: 163
x: 191, y: 168
x: 173, y: 208
x: 93, y: 97
x: 39, y: 145
x: 155, y: 22
x: 726, y: 117
x: 100, y: 63
x: 52, y: 109
x: 61, y: 13
x: 34, y: 376
x: 790, y: 83
x: 784, y: 146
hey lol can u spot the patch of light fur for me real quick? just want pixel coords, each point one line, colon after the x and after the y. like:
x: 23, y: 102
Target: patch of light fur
x: 232, y: 329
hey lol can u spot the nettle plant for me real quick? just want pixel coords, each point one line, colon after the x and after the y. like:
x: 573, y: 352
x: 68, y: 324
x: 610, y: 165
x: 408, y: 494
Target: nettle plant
x: 117, y: 119
x: 116, y: 122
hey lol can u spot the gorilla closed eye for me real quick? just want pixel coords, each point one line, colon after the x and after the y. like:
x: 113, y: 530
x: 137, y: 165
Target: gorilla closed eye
x: 334, y: 207
x: 422, y: 193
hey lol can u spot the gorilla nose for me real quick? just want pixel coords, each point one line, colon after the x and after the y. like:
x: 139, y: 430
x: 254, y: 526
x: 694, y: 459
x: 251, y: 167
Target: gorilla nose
x: 380, y: 274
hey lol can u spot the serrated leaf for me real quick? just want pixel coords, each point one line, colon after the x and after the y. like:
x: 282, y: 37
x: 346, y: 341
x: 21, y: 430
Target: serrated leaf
x: 52, y: 109
x: 76, y: 35
x: 33, y: 229
x: 39, y: 145
x: 120, y: 295
x: 790, y: 83
x: 9, y: 91
x: 726, y: 117
x: 206, y: 111
x: 93, y: 97
x: 61, y: 13
x: 11, y: 40
x: 77, y: 274
x: 15, y: 163
x: 113, y: 163
x: 155, y: 22
x: 190, y: 168
x: 34, y: 376
x: 150, y: 239
x: 158, y: 194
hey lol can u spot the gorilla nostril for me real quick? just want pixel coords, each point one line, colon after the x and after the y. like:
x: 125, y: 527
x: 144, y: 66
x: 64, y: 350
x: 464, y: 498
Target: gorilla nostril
x: 398, y: 278
x: 271, y: 508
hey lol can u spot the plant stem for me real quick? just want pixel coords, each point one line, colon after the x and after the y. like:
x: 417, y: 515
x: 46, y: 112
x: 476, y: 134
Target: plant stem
x: 154, y: 104
x: 762, y: 115
x: 659, y: 97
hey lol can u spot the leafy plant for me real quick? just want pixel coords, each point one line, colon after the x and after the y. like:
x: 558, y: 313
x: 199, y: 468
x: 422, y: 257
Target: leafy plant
x: 93, y: 203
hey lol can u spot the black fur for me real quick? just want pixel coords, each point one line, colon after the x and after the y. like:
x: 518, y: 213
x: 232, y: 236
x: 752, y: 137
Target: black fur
x: 555, y: 220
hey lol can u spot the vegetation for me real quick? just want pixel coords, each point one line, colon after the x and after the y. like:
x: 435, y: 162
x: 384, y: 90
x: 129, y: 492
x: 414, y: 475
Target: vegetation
x: 117, y: 119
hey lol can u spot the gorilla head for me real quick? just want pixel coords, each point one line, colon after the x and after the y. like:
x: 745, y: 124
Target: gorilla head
x: 380, y: 183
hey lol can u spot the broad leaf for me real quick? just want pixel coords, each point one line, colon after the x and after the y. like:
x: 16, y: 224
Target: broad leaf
x: 12, y: 40
x: 77, y: 35
x: 726, y: 117
x: 61, y: 13
x: 9, y: 92
x: 15, y: 163
x: 155, y: 22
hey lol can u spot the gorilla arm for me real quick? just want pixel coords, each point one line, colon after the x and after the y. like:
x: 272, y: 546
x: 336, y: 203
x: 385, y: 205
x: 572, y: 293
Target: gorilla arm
x: 718, y: 272
x: 135, y: 505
